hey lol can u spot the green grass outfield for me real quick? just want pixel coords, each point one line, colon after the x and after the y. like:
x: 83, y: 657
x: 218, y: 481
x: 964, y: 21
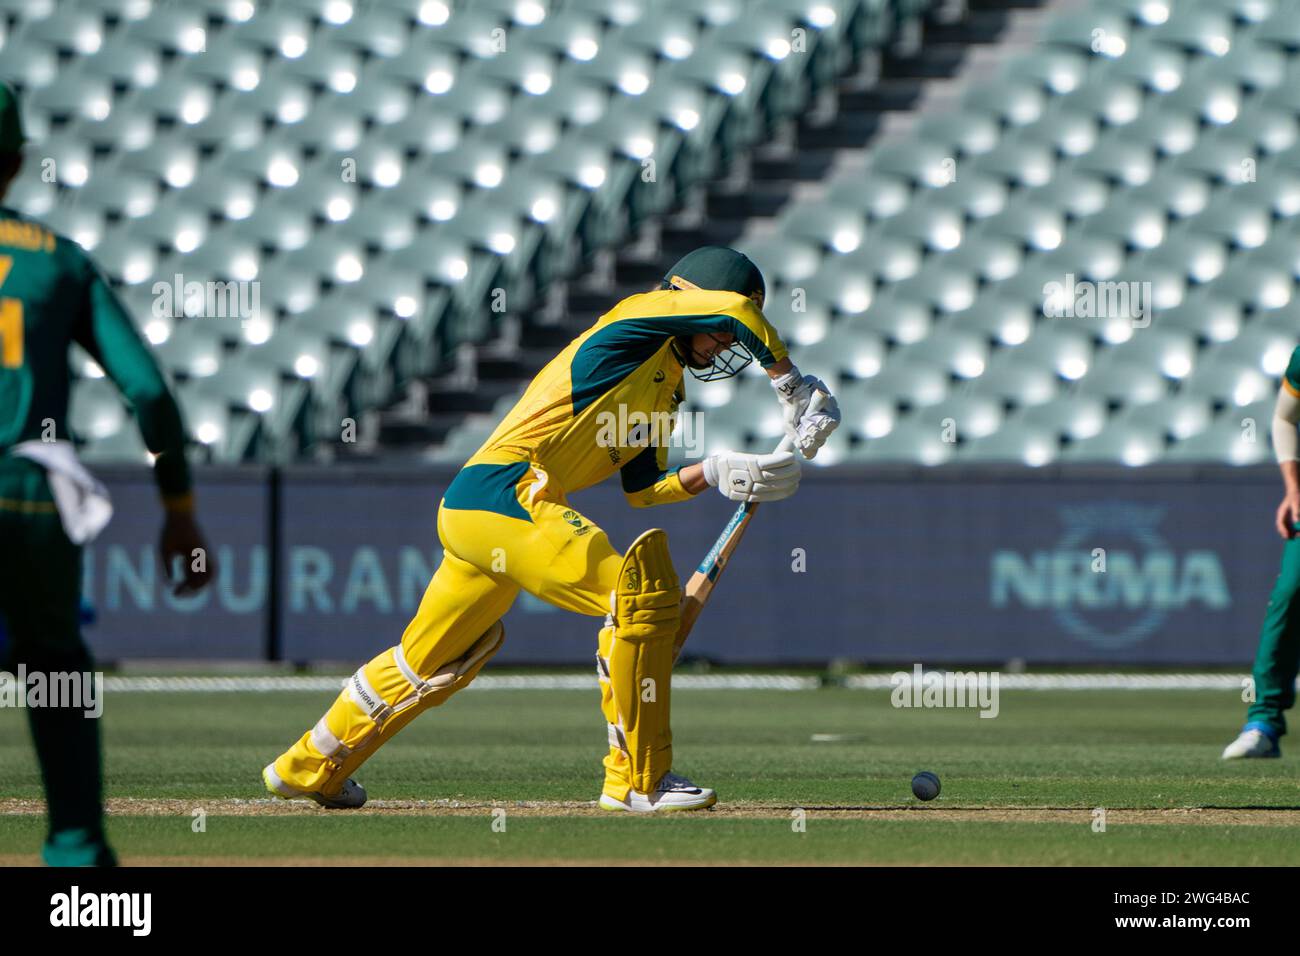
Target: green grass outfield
x: 1017, y: 789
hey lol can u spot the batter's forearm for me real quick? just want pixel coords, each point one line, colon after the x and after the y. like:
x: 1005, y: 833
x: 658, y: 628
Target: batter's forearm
x: 692, y: 477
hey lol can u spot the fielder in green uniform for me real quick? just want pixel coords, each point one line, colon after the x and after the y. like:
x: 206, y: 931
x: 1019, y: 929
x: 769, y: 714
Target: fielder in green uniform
x: 51, y: 295
x: 1278, y: 656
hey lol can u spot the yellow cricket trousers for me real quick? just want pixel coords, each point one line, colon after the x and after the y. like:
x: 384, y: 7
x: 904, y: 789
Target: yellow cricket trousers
x: 503, y: 527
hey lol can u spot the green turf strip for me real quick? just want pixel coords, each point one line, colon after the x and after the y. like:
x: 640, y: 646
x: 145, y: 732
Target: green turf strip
x: 696, y: 839
x: 1083, y: 749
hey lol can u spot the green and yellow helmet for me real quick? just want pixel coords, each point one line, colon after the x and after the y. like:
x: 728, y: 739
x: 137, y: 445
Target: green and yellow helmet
x: 719, y: 269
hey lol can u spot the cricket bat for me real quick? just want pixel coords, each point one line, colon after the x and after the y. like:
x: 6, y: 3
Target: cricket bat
x: 705, y: 579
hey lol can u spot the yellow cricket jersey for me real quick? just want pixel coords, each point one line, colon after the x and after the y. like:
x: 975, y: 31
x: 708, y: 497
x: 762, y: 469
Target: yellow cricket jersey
x: 620, y: 372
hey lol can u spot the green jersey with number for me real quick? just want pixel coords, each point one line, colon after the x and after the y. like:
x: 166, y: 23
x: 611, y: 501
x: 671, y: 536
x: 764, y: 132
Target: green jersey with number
x: 52, y: 295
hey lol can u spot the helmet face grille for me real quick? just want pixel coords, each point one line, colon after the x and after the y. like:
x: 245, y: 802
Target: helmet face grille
x: 725, y: 364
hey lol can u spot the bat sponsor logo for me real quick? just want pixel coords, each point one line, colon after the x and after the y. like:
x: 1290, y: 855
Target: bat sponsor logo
x: 710, y: 564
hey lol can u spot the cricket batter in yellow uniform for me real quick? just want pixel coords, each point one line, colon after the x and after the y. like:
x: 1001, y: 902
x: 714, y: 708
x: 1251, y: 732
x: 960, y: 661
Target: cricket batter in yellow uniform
x: 506, y: 525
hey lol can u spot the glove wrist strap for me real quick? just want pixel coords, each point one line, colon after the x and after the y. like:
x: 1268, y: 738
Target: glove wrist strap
x: 711, y: 471
x: 789, y: 383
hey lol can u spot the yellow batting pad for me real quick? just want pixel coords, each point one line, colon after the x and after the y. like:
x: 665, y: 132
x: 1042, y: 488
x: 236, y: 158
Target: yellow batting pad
x: 635, y: 660
x: 377, y: 702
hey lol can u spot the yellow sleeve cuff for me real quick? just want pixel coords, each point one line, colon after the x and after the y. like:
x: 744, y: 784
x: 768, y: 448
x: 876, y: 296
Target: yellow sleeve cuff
x: 664, y: 491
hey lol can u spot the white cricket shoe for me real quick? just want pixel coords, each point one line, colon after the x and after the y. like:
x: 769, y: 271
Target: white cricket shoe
x: 351, y: 797
x: 1252, y: 743
x: 672, y: 792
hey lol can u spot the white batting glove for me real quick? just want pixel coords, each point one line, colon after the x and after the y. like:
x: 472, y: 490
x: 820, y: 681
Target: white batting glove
x: 744, y: 477
x: 807, y: 422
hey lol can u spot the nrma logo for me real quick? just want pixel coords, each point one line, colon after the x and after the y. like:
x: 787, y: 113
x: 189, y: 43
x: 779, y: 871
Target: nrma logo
x: 1111, y: 579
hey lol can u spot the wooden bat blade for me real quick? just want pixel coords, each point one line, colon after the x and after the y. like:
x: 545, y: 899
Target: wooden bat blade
x: 702, y: 582
x: 705, y: 578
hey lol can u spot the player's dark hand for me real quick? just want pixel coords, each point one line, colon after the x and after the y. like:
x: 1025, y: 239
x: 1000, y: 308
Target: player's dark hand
x: 181, y: 539
x: 1288, y: 514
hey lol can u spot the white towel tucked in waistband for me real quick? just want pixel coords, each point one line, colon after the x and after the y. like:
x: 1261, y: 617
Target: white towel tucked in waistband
x: 83, y: 502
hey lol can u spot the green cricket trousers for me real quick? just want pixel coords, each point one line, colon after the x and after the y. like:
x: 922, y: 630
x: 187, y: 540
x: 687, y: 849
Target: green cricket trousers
x: 40, y: 591
x: 1278, y: 657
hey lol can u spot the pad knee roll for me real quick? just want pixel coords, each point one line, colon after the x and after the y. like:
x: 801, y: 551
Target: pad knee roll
x: 646, y: 604
x: 371, y: 714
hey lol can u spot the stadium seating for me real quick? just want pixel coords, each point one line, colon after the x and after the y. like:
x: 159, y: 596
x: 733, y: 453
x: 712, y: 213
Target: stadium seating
x: 1159, y: 154
x: 385, y: 173
x: 312, y: 146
